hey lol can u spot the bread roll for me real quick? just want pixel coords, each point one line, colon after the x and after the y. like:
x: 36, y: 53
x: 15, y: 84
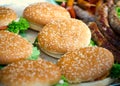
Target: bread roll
x: 86, y: 64
x: 7, y: 15
x: 61, y: 36
x: 30, y: 73
x: 39, y: 14
x: 13, y: 47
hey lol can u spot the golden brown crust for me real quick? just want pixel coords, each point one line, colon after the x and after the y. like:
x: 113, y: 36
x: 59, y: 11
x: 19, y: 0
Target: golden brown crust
x: 44, y: 12
x: 7, y: 15
x: 64, y: 35
x: 30, y: 73
x: 85, y: 64
x: 13, y: 47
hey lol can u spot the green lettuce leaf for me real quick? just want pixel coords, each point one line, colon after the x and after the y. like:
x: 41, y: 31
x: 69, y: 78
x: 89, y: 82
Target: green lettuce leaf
x: 2, y: 66
x: 118, y: 11
x: 115, y: 71
x: 19, y: 26
x: 35, y: 54
x: 64, y: 82
x: 92, y: 43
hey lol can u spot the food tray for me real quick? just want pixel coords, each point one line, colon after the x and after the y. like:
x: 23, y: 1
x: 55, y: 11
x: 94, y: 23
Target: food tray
x: 31, y: 35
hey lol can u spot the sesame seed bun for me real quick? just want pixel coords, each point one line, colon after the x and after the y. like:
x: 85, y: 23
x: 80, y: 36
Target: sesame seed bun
x: 7, y: 15
x: 60, y: 36
x: 13, y: 47
x: 39, y: 14
x: 86, y: 64
x: 30, y: 73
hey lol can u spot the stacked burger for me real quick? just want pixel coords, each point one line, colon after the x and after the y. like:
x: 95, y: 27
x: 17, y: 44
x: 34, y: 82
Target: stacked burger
x: 59, y: 36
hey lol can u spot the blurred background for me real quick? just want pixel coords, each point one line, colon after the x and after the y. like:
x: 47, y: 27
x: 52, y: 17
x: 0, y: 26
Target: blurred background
x: 19, y: 5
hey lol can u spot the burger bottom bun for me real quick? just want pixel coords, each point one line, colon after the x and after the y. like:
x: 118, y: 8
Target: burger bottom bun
x: 55, y: 55
x: 30, y: 73
x: 36, y: 27
x: 104, y: 82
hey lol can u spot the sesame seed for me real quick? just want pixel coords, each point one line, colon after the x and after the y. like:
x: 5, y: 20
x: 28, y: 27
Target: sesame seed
x: 7, y: 15
x: 11, y: 49
x: 85, y: 64
x: 64, y: 35
x: 27, y: 71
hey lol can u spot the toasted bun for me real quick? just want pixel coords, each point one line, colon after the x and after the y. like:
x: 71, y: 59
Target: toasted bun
x: 60, y: 36
x: 7, y: 15
x: 30, y: 73
x: 85, y: 64
x: 39, y: 14
x: 13, y: 47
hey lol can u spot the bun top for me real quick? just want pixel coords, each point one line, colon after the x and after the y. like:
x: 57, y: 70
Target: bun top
x: 13, y: 47
x: 64, y: 35
x: 7, y: 15
x: 86, y: 64
x: 43, y: 12
x: 30, y: 73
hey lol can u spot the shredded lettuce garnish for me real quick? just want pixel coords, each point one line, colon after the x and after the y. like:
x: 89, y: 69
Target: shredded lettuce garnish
x: 118, y: 11
x: 61, y: 0
x: 35, y: 42
x: 115, y: 71
x: 35, y: 54
x: 19, y: 26
x: 62, y: 82
x: 2, y: 66
x: 92, y: 43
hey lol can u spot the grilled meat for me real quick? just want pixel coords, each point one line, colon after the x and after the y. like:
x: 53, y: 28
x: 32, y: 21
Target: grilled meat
x: 83, y: 15
x: 102, y: 22
x: 114, y: 20
x: 101, y: 41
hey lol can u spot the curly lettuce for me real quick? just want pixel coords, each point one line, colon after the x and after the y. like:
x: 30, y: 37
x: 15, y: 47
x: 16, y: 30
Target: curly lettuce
x: 2, y: 66
x: 118, y: 11
x: 92, y: 43
x: 62, y: 82
x: 19, y: 26
x: 35, y: 54
x: 115, y: 71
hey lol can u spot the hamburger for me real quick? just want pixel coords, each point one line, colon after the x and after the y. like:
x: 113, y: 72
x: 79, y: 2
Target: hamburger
x: 10, y: 22
x: 39, y: 14
x: 7, y: 15
x: 60, y: 36
x: 15, y: 48
x: 86, y: 64
x: 30, y: 73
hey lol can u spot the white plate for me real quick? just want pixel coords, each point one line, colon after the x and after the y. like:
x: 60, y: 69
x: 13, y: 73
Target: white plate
x: 104, y: 82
